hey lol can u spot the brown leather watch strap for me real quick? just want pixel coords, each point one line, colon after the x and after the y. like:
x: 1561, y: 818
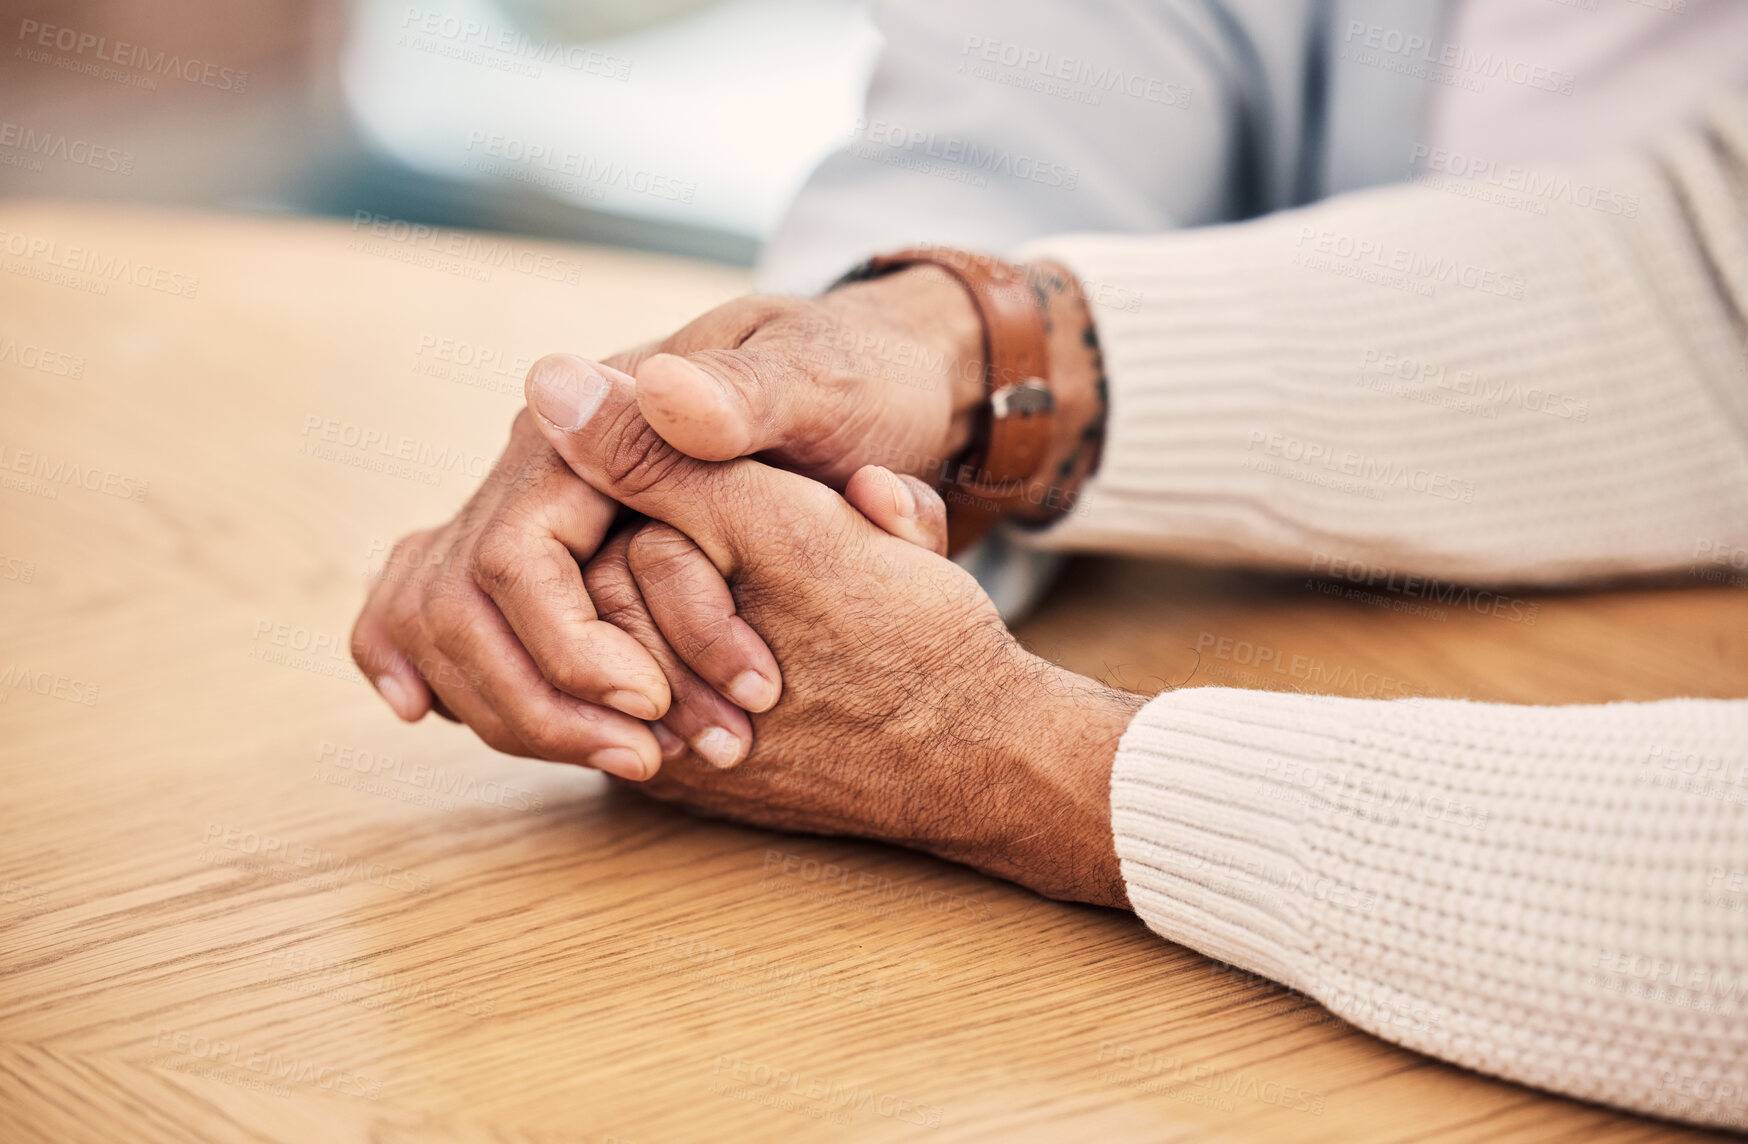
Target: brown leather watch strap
x: 1014, y: 428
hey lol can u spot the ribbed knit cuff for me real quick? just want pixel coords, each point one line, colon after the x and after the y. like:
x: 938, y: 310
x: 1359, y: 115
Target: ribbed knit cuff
x: 1210, y: 833
x: 1181, y: 335
x: 1539, y: 893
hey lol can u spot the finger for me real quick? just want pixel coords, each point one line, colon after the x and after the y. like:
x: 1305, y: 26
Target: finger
x: 374, y: 649
x: 526, y: 561
x: 716, y: 729
x: 456, y: 687
x: 493, y: 670
x: 901, y: 505
x: 390, y: 672
x: 455, y: 696
x: 719, y: 404
x: 695, y: 612
x: 671, y: 744
x: 590, y: 415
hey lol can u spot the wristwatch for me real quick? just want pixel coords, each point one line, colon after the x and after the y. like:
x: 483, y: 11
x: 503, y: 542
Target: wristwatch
x: 1013, y: 427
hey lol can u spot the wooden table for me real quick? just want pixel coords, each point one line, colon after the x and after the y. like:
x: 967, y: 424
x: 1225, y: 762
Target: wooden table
x: 238, y: 901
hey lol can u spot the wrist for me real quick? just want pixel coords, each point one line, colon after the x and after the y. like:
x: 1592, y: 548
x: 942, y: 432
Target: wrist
x: 1042, y: 810
x: 940, y: 334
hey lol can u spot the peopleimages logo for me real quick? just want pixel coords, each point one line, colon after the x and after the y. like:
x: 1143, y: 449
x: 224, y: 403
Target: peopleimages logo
x: 104, y: 268
x: 87, y: 45
x: 1303, y: 668
x: 1054, y: 74
x: 1373, y: 474
x: 468, y: 254
x: 270, y: 1066
x: 52, y: 362
x: 386, y: 451
x: 503, y: 47
x: 1123, y: 1059
x: 876, y: 889
x: 1472, y: 392
x: 1447, y: 593
x: 1411, y: 264
x: 53, y: 473
x: 1557, y: 187
x: 824, y: 1091
x: 319, y: 860
x: 885, y: 141
x: 1364, y: 42
x: 542, y: 165
x: 54, y: 145
x: 49, y: 683
x: 436, y: 779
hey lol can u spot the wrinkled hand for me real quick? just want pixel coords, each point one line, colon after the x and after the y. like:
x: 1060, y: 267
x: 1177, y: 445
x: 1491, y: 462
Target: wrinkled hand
x: 886, y: 372
x: 909, y: 714
x: 486, y: 619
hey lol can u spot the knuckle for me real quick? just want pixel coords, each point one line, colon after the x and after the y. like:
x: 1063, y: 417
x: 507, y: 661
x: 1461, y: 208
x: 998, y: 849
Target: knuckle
x: 613, y: 589
x: 638, y: 460
x: 817, y: 336
x: 699, y: 639
x: 445, y: 678
x: 538, y: 729
x: 571, y: 676
x: 498, y: 556
x: 448, y: 618
x: 618, y: 602
x: 659, y: 553
x: 403, y: 618
x: 536, y: 480
x: 609, y: 570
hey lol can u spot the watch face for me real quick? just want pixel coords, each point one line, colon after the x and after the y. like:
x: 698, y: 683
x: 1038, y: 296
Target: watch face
x: 1023, y: 399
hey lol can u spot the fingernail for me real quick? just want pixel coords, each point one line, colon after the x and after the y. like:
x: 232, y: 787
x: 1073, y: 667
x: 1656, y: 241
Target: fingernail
x: 395, y: 694
x: 565, y: 391
x: 719, y: 748
x: 752, y: 692
x: 621, y: 761
x: 636, y: 705
x: 902, y: 498
x: 671, y: 744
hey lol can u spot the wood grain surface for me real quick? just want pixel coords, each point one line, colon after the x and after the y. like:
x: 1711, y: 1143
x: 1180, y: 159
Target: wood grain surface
x: 239, y: 901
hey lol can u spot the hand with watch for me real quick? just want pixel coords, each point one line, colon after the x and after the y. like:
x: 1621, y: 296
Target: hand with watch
x: 979, y: 378
x: 1022, y: 461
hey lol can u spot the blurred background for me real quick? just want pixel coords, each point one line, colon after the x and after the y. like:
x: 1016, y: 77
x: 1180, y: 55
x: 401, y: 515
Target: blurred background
x: 675, y: 125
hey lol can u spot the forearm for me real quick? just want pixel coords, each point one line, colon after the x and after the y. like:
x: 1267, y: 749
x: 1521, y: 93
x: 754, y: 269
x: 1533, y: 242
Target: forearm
x: 1415, y: 380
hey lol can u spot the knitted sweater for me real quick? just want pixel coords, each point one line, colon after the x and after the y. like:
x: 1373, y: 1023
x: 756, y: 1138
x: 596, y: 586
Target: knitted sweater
x: 1538, y: 379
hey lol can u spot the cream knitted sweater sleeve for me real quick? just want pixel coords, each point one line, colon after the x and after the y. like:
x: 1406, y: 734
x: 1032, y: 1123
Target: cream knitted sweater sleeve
x: 1536, y: 380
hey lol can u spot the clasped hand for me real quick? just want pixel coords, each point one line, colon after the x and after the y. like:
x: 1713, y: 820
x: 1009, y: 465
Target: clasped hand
x: 886, y: 688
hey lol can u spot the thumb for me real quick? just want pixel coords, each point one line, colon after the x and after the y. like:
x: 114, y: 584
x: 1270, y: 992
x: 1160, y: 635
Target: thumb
x: 901, y: 505
x: 589, y: 413
x: 716, y: 404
